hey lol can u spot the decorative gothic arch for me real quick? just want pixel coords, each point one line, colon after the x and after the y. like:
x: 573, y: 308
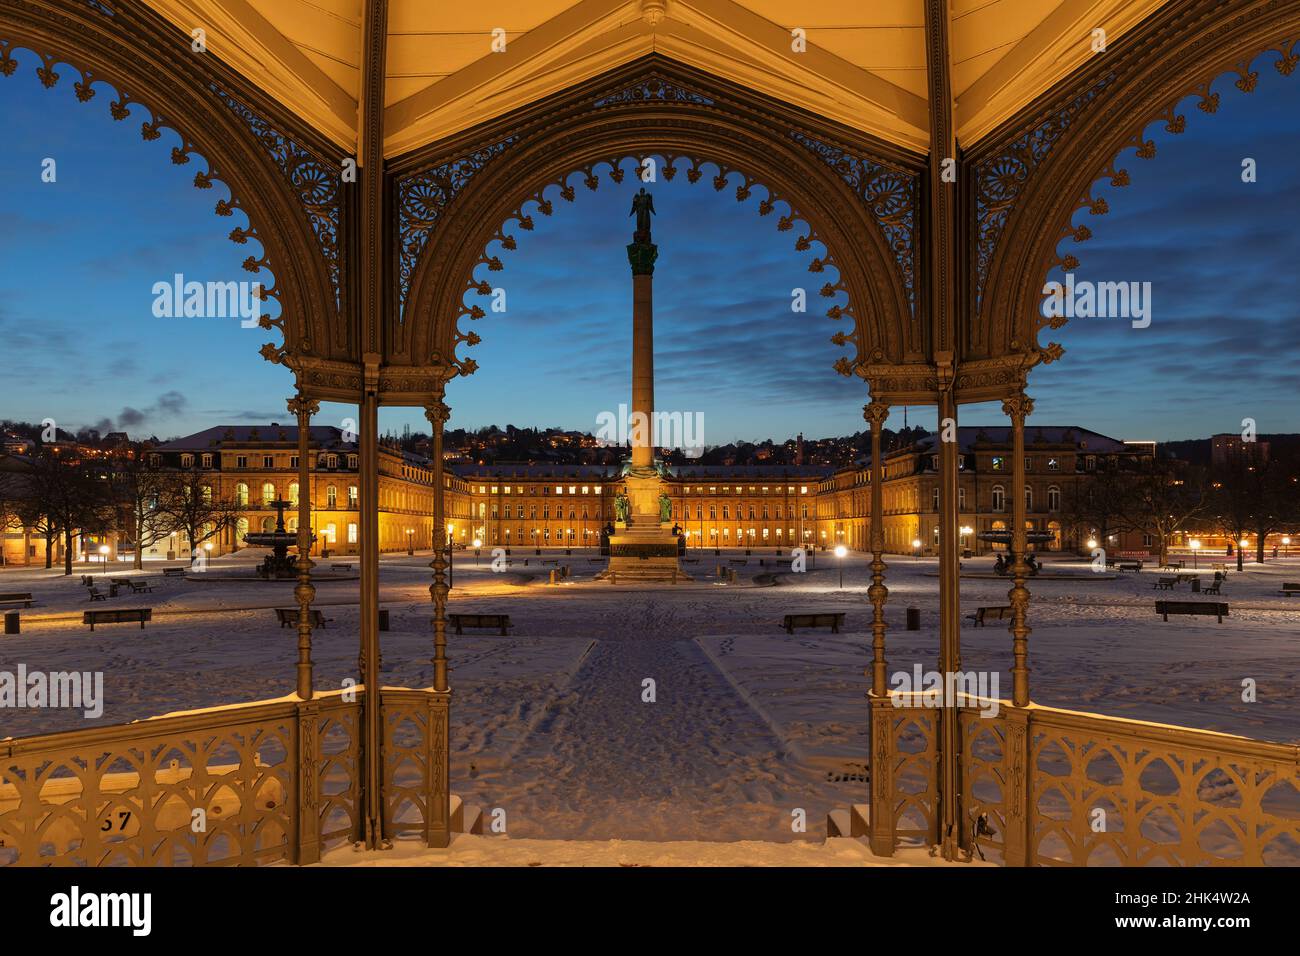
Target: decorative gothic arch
x: 859, y: 198
x: 1028, y: 191
x: 275, y: 173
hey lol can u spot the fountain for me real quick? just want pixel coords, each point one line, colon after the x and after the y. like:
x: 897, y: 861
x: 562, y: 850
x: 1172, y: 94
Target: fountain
x: 276, y: 566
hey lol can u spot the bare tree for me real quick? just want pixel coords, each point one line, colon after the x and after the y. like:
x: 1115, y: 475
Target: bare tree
x: 70, y: 497
x: 140, y: 488
x: 191, y: 507
x: 1161, y: 500
x: 1097, y: 504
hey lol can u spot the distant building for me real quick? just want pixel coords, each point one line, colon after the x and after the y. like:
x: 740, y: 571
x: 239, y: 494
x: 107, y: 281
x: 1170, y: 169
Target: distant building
x: 1231, y: 449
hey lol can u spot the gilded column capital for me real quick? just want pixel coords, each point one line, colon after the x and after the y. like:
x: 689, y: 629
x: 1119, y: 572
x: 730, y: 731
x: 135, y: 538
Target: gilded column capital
x: 1018, y: 407
x: 876, y: 412
x: 301, y: 405
x: 438, y: 413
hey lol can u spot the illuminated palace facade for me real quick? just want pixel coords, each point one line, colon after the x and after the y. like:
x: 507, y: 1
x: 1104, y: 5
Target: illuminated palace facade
x: 566, y: 506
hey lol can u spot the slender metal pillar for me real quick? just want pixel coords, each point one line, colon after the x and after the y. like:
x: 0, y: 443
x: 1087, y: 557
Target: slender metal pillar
x: 304, y: 408
x: 368, y: 441
x: 950, y: 836
x: 1018, y: 407
x: 438, y: 818
x: 882, y: 718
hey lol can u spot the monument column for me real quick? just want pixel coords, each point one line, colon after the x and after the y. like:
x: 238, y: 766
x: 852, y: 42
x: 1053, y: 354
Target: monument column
x: 644, y: 548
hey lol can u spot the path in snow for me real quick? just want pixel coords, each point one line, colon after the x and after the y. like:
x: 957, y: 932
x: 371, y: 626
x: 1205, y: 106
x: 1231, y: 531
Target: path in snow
x: 697, y: 763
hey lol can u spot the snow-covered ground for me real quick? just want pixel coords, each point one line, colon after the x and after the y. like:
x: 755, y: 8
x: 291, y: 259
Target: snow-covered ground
x: 748, y: 726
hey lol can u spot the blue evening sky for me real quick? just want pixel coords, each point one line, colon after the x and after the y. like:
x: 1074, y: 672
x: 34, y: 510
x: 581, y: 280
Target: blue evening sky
x: 81, y: 255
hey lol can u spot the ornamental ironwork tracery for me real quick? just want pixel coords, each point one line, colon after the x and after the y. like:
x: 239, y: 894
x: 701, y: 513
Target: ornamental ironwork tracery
x: 315, y: 183
x: 1000, y: 179
x: 890, y: 195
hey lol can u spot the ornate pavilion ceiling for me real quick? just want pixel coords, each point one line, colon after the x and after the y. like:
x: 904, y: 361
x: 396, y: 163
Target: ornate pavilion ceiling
x: 864, y: 65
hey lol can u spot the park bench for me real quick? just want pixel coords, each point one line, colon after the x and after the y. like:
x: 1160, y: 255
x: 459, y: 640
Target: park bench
x: 1173, y: 565
x: 1217, y: 609
x: 97, y: 595
x: 137, y: 587
x: 550, y: 561
x: 831, y: 619
x: 87, y: 580
x: 1165, y: 584
x: 116, y: 616
x: 17, y: 597
x: 1214, y: 588
x: 173, y: 572
x: 288, y: 616
x: 982, y: 614
x: 737, y: 561
x: 1287, y: 589
x: 460, y: 621
x: 1128, y: 565
x: 340, y: 567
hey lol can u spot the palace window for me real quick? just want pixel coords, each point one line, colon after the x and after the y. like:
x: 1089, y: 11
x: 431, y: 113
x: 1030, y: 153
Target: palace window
x: 241, y: 495
x: 207, y: 461
x: 293, y: 493
x: 352, y: 532
x: 268, y: 493
x: 241, y: 461
x: 1029, y: 498
x: 999, y: 498
x: 1053, y: 498
x: 331, y: 497
x: 352, y: 496
x: 187, y: 461
x: 268, y: 461
x: 352, y: 461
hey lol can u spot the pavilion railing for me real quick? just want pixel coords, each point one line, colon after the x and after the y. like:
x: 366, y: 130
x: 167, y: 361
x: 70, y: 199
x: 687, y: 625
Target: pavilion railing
x: 246, y: 784
x: 1049, y: 787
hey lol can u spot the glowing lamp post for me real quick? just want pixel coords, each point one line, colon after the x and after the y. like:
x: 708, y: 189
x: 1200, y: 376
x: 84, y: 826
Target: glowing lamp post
x: 1286, y: 545
x: 1195, y: 545
x: 103, y: 554
x: 410, y: 541
x: 840, y: 552
x: 916, y: 548
x: 478, y: 543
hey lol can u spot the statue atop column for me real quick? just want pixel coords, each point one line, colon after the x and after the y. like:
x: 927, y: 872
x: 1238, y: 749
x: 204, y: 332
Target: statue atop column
x: 643, y: 207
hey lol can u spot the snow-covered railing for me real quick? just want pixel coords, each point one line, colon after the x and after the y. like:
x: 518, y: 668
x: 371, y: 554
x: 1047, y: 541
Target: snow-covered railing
x: 245, y: 784
x: 1044, y: 786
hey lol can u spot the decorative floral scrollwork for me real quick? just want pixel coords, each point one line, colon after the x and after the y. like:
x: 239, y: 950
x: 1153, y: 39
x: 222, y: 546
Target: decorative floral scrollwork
x: 422, y: 198
x: 315, y: 183
x: 889, y: 194
x: 1000, y: 179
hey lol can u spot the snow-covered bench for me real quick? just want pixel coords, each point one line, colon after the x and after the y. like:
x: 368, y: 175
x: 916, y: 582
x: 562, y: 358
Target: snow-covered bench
x: 831, y: 619
x: 982, y: 614
x: 116, y: 616
x: 460, y: 621
x: 1287, y: 589
x: 17, y: 597
x: 1217, y: 609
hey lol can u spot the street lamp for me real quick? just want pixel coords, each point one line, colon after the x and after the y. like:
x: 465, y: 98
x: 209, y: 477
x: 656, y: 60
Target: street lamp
x: 840, y: 552
x: 451, y: 555
x: 1286, y: 545
x: 103, y: 554
x: 1092, y: 543
x: 410, y: 543
x: 1195, y: 545
x: 478, y: 543
x: 916, y: 548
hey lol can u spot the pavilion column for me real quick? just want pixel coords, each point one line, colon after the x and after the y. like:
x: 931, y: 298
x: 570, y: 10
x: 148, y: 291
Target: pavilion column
x: 304, y: 591
x: 438, y: 816
x: 881, y: 834
x: 1018, y: 407
x: 950, y: 835
x: 368, y: 442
